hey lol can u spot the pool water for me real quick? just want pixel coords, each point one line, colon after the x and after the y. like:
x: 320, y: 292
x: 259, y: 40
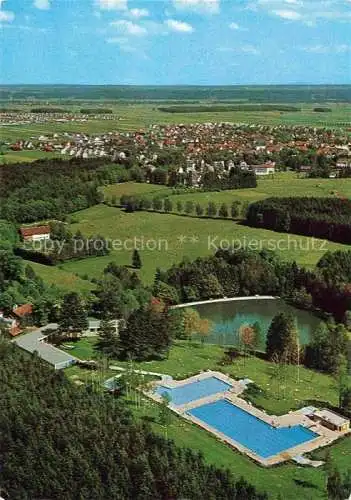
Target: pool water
x: 194, y: 390
x: 248, y: 430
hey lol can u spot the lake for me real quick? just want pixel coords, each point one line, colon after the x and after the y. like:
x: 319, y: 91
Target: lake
x: 227, y: 318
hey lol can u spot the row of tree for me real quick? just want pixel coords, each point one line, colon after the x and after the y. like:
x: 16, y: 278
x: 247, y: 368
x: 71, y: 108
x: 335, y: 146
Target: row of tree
x: 134, y: 203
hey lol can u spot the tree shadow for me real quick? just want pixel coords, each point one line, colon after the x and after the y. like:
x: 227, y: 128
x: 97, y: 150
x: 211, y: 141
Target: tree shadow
x: 305, y: 484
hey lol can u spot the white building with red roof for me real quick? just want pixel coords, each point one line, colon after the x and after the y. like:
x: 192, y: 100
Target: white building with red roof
x: 35, y: 233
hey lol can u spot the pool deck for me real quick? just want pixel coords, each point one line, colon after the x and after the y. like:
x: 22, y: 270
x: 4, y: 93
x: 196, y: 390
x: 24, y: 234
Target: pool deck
x: 293, y: 418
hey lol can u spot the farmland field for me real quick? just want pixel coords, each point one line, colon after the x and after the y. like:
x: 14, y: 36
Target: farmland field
x: 134, y: 116
x: 25, y: 156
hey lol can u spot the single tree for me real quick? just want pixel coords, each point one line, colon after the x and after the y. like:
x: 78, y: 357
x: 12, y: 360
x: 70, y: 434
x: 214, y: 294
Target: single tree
x: 189, y: 207
x: 211, y: 209
x: 179, y: 206
x: 199, y: 210
x: 73, y: 316
x: 282, y: 338
x: 247, y: 338
x: 157, y: 204
x: 107, y: 343
x: 204, y: 329
x: 223, y: 211
x: 136, y: 260
x: 235, y: 209
x: 191, y: 321
x: 168, y: 205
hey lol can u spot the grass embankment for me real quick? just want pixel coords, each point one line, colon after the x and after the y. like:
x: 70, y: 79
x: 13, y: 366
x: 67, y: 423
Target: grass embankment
x: 185, y: 359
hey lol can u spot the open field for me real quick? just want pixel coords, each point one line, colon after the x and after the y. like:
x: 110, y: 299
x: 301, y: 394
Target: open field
x: 135, y: 116
x: 25, y: 156
x: 135, y: 189
x: 288, y: 480
x: 165, y: 234
x: 281, y: 184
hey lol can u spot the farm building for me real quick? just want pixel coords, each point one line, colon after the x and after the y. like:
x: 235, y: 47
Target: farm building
x: 35, y: 233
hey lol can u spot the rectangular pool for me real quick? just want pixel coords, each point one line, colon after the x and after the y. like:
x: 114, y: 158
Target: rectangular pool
x: 194, y: 390
x: 249, y: 431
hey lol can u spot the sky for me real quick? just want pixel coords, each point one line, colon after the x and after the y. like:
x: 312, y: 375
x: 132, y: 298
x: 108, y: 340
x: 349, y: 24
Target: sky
x: 172, y: 42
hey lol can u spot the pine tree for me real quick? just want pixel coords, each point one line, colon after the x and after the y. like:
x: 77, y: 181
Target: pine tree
x: 234, y: 210
x: 136, y: 260
x: 108, y: 341
x: 282, y: 339
x: 211, y: 209
x: 223, y: 211
x: 73, y: 317
x: 199, y: 210
x: 168, y: 205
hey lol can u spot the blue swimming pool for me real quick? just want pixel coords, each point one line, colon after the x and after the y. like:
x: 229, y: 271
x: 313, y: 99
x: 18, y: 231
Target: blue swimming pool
x: 250, y: 431
x: 194, y: 390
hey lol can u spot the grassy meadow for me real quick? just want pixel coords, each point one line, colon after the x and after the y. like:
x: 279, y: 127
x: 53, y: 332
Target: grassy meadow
x: 65, y: 280
x: 280, y: 185
x: 174, y: 237
x: 177, y: 236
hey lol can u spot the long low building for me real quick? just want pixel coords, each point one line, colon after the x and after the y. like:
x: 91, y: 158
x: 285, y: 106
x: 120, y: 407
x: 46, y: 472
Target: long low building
x: 35, y: 342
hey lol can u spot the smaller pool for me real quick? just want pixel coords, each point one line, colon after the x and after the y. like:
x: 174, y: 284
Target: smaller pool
x: 194, y: 390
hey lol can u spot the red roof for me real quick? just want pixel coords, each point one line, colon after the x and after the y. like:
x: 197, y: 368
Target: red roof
x: 15, y: 330
x: 23, y: 310
x: 32, y: 231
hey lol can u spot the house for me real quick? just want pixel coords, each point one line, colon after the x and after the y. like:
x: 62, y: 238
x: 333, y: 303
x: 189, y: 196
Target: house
x: 331, y: 420
x: 35, y: 233
x: 14, y: 320
x: 265, y: 169
x: 10, y: 324
x: 94, y: 327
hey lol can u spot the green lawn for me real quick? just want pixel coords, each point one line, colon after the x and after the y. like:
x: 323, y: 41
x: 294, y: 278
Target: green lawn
x: 164, y: 233
x: 185, y: 359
